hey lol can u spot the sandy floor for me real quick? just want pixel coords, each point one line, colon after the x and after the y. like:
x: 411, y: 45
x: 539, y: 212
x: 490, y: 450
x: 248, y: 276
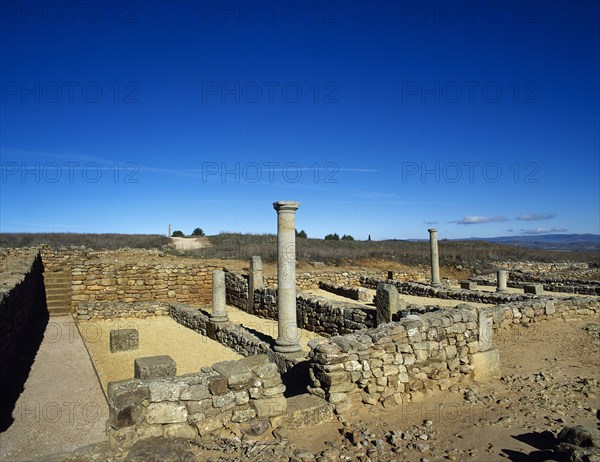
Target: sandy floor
x: 266, y: 326
x: 514, y: 290
x: 410, y: 299
x: 158, y: 336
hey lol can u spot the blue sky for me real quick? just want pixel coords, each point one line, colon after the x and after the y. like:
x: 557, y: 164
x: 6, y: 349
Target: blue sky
x: 381, y: 118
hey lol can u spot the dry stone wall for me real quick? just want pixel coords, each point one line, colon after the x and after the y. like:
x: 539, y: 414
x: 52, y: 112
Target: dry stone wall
x: 397, y: 362
x: 314, y: 313
x: 246, y: 395
x: 109, y: 310
x: 22, y: 301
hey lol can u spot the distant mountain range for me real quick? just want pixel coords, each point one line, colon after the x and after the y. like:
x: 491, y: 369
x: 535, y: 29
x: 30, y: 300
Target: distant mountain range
x: 565, y: 242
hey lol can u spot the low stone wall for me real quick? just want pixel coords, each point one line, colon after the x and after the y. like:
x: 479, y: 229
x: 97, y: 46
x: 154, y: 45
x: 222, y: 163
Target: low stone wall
x: 22, y: 302
x: 314, y: 313
x: 397, y: 362
x: 546, y: 308
x: 108, y: 310
x: 425, y: 290
x: 244, y: 395
x: 353, y: 293
x: 229, y: 334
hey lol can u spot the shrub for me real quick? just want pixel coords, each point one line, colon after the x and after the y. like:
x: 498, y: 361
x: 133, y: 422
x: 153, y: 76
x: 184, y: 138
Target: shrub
x: 198, y: 232
x: 347, y: 237
x: 332, y: 237
x: 301, y: 234
x: 178, y: 234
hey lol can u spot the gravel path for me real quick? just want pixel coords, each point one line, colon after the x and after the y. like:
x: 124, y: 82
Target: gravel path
x: 62, y: 406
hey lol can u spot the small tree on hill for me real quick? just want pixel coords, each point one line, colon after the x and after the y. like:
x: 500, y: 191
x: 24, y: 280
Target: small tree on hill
x: 347, y: 237
x: 332, y: 237
x: 301, y: 234
x: 198, y: 232
x: 178, y: 234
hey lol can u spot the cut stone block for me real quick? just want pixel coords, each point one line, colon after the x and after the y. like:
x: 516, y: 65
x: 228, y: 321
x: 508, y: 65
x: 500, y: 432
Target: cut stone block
x: 154, y: 367
x: 535, y: 289
x: 387, y: 301
x: 124, y: 340
x: 486, y: 365
x: 125, y: 402
x: 468, y: 285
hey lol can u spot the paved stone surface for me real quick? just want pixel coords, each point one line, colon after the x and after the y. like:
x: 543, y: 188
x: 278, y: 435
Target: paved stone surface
x: 62, y: 406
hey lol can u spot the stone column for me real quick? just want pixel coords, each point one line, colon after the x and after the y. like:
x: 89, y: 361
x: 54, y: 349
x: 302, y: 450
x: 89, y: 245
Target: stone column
x: 501, y: 279
x: 435, y: 261
x: 170, y: 231
x: 255, y: 281
x: 287, y: 340
x: 219, y: 312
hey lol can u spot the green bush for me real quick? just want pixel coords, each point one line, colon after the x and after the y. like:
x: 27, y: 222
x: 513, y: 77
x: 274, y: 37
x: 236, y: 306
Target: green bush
x: 347, y: 237
x: 301, y: 234
x: 198, y: 232
x: 332, y: 237
x: 178, y: 234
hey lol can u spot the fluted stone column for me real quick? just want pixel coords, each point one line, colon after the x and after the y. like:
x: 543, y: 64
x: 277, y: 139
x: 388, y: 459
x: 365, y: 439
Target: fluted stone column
x: 501, y: 281
x: 435, y: 259
x: 170, y: 231
x: 287, y: 340
x: 219, y: 312
x: 255, y: 281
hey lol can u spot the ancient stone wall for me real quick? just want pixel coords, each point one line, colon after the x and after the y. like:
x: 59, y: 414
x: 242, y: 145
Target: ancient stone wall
x: 314, y: 313
x: 353, y: 293
x: 246, y: 395
x: 397, y: 362
x: 22, y: 301
x: 110, y: 310
x: 425, y: 290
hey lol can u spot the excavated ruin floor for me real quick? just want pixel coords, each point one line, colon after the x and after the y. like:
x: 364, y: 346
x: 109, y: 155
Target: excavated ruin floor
x: 157, y: 336
x: 62, y: 406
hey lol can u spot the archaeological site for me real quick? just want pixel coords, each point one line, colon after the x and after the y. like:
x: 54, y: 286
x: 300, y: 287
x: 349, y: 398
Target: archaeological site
x: 148, y: 355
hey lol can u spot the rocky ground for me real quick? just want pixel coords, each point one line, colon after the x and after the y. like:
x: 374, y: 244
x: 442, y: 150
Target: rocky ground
x: 549, y: 385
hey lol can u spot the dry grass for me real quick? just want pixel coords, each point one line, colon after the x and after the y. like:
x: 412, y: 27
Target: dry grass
x: 95, y: 241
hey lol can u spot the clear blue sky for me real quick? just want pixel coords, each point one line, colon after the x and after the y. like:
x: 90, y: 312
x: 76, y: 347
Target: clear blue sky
x: 381, y: 118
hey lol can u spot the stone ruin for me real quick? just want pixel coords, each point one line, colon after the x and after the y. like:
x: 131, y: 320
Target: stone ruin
x: 377, y: 356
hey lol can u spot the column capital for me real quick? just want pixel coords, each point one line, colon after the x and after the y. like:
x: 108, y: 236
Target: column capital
x: 286, y: 206
x: 432, y: 230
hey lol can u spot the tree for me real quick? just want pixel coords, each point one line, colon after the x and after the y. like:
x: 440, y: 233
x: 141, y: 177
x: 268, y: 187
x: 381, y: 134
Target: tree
x: 301, y: 234
x: 332, y: 237
x: 198, y: 232
x: 369, y: 237
x: 178, y: 234
x: 347, y: 237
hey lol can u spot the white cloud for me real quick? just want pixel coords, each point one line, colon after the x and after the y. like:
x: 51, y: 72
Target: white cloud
x: 536, y: 216
x: 543, y: 230
x: 476, y: 220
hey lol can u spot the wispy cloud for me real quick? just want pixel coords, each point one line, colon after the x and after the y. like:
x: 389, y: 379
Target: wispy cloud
x: 431, y: 222
x: 477, y: 220
x: 542, y: 230
x: 536, y: 216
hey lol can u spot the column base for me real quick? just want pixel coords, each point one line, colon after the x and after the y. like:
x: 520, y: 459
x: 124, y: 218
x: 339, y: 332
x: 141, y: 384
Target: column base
x: 436, y: 285
x: 501, y: 290
x: 218, y: 318
x: 287, y: 348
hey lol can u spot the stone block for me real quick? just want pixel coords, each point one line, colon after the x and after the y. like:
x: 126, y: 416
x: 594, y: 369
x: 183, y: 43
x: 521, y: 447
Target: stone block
x: 154, y: 367
x: 236, y: 373
x: 486, y: 365
x: 468, y: 285
x: 166, y: 412
x: 535, y: 289
x: 124, y: 340
x: 125, y: 402
x: 270, y: 407
x: 387, y: 302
